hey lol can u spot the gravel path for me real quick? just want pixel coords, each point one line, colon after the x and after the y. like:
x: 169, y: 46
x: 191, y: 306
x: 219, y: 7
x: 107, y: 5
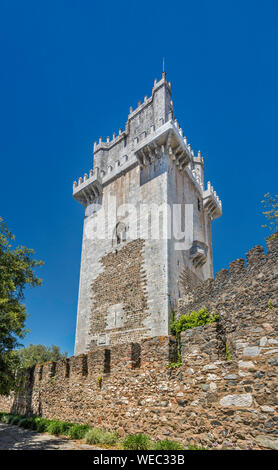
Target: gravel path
x: 16, y: 438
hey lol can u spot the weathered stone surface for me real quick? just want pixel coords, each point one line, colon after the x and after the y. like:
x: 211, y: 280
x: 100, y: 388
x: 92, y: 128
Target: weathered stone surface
x: 267, y: 409
x: 119, y: 307
x: 244, y: 400
x: 273, y: 361
x: 251, y: 351
x: 246, y: 364
x: 267, y: 441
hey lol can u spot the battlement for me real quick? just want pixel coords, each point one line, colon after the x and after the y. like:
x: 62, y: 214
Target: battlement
x: 212, y: 203
x: 142, y: 106
x: 103, y: 360
x: 148, y: 147
x: 150, y: 132
x: 88, y: 189
x: 229, y: 283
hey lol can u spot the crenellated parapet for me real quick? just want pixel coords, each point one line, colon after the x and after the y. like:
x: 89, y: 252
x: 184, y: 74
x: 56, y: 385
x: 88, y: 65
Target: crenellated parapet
x: 166, y: 140
x: 118, y: 358
x: 133, y: 114
x: 149, y: 147
x: 254, y: 280
x: 211, y: 202
x: 150, y: 132
x: 89, y: 188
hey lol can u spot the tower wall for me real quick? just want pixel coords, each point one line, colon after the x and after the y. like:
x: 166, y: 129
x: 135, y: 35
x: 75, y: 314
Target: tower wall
x: 188, y: 194
x: 123, y: 288
x: 132, y: 273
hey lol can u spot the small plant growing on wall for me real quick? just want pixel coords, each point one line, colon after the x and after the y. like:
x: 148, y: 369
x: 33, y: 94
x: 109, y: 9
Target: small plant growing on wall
x: 99, y: 380
x: 228, y: 354
x: 185, y: 322
x: 193, y: 319
x: 270, y: 204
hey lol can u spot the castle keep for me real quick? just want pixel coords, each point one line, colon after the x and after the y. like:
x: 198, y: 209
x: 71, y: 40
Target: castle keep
x: 132, y: 276
x: 124, y: 376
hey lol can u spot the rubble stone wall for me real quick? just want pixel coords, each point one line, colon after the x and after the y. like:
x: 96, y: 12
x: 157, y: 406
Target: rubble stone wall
x: 225, y: 393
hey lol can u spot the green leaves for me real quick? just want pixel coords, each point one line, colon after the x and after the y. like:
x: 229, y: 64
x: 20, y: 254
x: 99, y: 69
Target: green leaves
x: 195, y: 318
x: 271, y: 211
x: 17, y: 270
x: 37, y: 354
x: 186, y: 322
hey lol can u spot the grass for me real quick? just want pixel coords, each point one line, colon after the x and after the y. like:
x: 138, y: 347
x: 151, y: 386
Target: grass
x: 166, y: 444
x: 57, y: 428
x: 137, y: 442
x: 97, y: 436
x: 78, y: 431
x: 92, y: 435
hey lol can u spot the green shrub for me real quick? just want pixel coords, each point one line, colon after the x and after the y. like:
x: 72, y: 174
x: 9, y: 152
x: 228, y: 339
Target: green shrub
x: 193, y: 319
x: 137, y: 442
x: 15, y: 419
x: 78, y: 431
x: 166, y: 444
x: 9, y: 419
x: 21, y: 422
x: 97, y: 436
x: 94, y: 436
x: 109, y: 438
x: 58, y: 427
x: 25, y: 423
x: 6, y: 418
x: 186, y: 322
x: 40, y: 424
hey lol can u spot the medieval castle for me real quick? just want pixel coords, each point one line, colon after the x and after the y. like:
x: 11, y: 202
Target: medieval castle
x: 124, y: 376
x: 129, y: 281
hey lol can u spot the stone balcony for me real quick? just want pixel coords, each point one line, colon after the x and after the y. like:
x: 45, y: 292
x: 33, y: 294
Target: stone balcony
x: 211, y: 202
x: 88, y: 189
x: 168, y: 138
x: 198, y: 253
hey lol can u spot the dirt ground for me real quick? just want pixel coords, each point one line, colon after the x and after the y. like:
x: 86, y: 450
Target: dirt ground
x: 16, y: 438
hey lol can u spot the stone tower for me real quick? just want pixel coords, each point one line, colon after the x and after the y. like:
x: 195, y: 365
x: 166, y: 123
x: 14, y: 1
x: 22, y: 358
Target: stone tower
x: 147, y: 230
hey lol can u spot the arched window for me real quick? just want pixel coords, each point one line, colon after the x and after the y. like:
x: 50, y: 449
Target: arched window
x: 119, y: 235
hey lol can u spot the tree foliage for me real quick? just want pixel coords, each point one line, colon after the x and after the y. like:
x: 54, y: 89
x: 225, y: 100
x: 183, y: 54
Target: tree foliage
x: 37, y: 354
x: 270, y: 204
x: 17, y: 270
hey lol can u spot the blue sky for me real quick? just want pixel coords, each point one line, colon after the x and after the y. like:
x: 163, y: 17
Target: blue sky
x: 70, y: 70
